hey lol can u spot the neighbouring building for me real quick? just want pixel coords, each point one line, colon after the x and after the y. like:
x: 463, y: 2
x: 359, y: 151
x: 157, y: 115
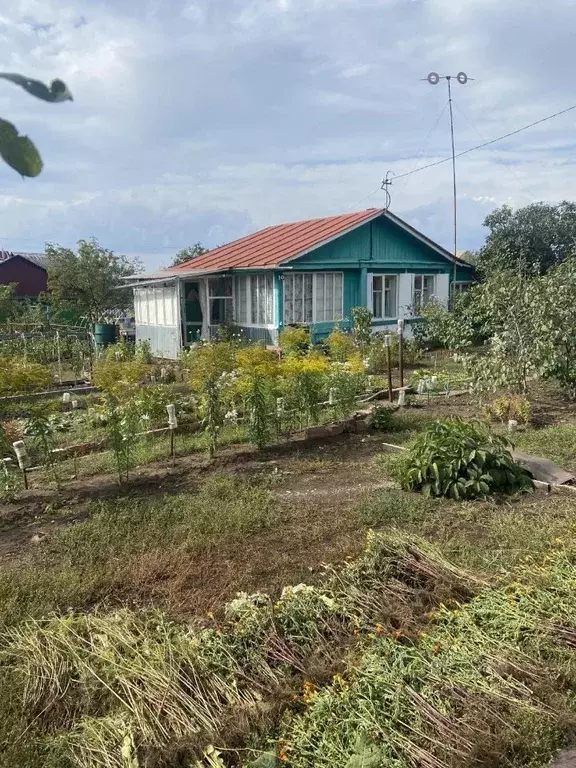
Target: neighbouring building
x: 308, y: 272
x: 28, y: 271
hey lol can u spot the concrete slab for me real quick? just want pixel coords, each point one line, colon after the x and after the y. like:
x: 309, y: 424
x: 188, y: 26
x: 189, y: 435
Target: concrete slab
x: 544, y: 469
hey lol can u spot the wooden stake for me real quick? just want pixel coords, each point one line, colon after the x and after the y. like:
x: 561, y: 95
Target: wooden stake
x: 401, y: 351
x: 389, y: 367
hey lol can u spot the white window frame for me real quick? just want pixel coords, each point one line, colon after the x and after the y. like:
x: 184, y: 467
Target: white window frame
x: 248, y: 284
x: 212, y: 298
x: 337, y: 310
x: 461, y: 286
x: 385, y: 276
x: 420, y: 307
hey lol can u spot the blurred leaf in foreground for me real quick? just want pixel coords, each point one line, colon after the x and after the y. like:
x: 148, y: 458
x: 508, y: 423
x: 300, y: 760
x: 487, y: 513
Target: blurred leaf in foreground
x: 19, y: 151
x: 57, y: 91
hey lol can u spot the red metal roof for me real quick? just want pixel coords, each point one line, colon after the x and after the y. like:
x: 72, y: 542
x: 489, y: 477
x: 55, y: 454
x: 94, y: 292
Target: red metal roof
x: 274, y: 245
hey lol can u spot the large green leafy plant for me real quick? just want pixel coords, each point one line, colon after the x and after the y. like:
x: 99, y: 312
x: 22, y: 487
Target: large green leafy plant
x: 19, y: 151
x: 461, y: 460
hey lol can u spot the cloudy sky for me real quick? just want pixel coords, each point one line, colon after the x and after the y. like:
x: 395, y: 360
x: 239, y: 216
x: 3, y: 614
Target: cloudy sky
x: 206, y: 120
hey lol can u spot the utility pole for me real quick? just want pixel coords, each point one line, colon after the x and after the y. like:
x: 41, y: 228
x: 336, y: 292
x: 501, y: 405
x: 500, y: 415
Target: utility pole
x: 434, y: 78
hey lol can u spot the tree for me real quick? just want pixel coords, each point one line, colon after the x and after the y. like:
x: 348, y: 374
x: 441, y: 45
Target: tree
x: 530, y: 240
x: 468, y: 256
x: 19, y: 152
x: 89, y: 280
x: 191, y: 252
x: 7, y: 302
x: 558, y: 328
x: 509, y: 309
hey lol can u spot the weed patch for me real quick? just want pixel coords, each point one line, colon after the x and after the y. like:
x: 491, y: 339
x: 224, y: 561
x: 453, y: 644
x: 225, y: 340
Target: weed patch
x: 92, y: 560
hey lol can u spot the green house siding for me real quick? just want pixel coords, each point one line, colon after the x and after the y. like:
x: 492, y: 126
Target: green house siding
x: 379, y: 243
x: 379, y: 246
x: 465, y: 275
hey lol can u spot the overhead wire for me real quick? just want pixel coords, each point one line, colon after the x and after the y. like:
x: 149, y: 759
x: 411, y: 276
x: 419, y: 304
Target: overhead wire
x: 426, y: 139
x: 496, y: 154
x: 418, y: 156
x: 486, y: 143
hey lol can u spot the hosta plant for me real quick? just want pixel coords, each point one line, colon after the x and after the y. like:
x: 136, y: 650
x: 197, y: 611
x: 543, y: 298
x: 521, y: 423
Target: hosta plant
x: 461, y: 460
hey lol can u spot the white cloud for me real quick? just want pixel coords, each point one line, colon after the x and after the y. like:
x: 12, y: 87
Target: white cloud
x: 203, y: 120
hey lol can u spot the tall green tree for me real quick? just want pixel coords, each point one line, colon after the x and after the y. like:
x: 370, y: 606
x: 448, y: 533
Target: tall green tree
x: 558, y: 328
x: 191, y: 252
x: 530, y: 240
x: 7, y: 302
x: 89, y: 279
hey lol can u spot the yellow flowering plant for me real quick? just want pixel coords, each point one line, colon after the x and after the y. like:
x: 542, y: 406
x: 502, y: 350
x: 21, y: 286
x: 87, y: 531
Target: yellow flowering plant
x: 304, y: 382
x: 258, y: 370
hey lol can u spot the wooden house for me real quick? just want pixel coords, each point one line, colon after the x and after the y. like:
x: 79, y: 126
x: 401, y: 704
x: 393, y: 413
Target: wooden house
x: 308, y: 272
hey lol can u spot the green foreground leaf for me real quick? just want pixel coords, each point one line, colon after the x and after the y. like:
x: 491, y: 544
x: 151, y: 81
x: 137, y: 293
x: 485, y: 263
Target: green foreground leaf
x: 19, y: 151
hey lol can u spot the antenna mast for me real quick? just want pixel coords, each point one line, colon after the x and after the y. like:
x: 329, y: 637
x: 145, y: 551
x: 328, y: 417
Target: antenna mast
x: 434, y: 78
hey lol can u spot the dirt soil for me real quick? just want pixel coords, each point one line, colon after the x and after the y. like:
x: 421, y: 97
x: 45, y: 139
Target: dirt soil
x: 317, y: 484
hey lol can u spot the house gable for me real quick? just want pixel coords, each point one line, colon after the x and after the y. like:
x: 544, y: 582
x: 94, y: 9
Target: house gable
x: 381, y: 243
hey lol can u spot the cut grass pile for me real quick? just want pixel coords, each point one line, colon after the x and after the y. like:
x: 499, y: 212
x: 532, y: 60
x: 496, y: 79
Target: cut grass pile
x: 398, y: 659
x: 97, y: 559
x: 486, y: 536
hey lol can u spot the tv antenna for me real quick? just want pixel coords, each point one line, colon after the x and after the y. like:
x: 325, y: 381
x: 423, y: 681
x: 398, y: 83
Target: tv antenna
x: 434, y: 78
x: 386, y: 184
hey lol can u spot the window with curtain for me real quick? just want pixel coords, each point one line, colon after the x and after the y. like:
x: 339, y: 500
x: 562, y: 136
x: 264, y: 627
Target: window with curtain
x: 255, y: 299
x: 312, y: 297
x: 423, y: 291
x: 384, y: 292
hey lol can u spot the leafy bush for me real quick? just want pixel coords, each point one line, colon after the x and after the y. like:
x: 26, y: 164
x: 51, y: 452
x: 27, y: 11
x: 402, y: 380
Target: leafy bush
x: 212, y: 379
x: 340, y: 344
x: 461, y: 460
x: 456, y: 328
x: 231, y: 334
x: 362, y: 331
x: 18, y: 375
x: 117, y: 376
x: 258, y: 370
x: 346, y: 381
x: 143, y: 351
x: 304, y: 382
x: 384, y: 419
x: 294, y: 340
x: 508, y: 407
x: 376, y: 352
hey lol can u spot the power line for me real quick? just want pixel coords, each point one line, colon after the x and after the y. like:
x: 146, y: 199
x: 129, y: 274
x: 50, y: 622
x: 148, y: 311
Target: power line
x: 496, y: 153
x: 486, y: 143
x: 428, y: 135
x: 418, y: 156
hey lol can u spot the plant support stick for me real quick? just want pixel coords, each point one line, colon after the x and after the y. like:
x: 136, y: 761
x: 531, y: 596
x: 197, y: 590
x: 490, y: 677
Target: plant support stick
x: 388, y: 342
x: 401, y: 350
